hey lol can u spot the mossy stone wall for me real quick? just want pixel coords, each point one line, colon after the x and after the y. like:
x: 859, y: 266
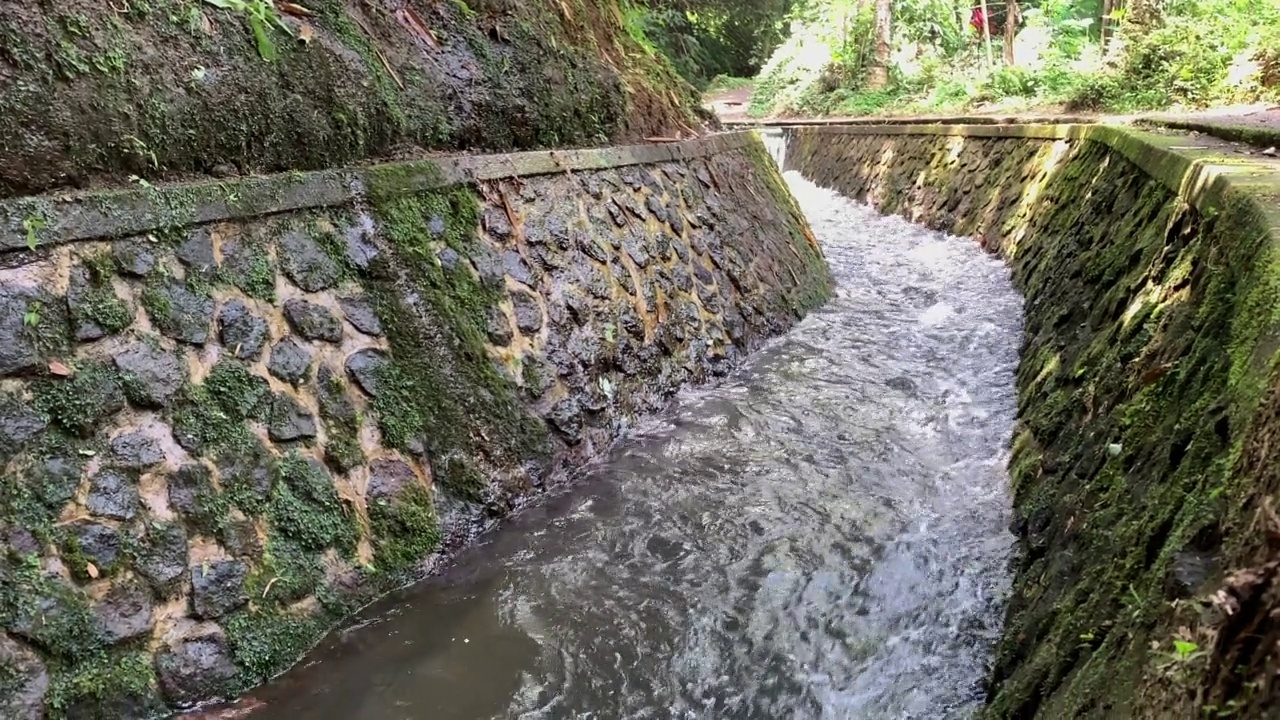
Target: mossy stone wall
x: 219, y: 439
x: 1144, y: 584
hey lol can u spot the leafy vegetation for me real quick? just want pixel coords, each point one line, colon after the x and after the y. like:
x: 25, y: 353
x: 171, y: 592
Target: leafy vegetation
x: 937, y: 56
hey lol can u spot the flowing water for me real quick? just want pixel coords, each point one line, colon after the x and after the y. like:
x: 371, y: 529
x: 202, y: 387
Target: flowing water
x: 820, y: 536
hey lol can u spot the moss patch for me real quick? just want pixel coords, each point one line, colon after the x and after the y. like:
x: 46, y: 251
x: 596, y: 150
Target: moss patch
x: 435, y: 397
x: 80, y: 402
x: 306, y: 509
x: 212, y: 416
x: 404, y: 530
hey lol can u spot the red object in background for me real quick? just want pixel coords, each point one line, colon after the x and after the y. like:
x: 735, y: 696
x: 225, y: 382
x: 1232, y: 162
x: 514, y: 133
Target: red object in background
x: 977, y: 20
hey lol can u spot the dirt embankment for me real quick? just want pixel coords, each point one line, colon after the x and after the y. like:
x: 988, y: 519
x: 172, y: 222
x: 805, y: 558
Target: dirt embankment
x: 94, y: 90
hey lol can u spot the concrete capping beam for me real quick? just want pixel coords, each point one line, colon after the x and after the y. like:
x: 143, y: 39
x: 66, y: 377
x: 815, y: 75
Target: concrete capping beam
x: 45, y: 220
x: 1202, y: 175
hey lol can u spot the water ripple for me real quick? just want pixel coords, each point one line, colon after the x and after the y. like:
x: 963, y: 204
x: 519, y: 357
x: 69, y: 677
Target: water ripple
x: 821, y: 536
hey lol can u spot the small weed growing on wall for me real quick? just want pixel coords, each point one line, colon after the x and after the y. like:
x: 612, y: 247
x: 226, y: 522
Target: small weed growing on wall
x: 261, y: 15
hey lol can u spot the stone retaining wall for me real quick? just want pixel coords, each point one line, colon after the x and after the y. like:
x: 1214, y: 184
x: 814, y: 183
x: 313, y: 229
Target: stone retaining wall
x: 1142, y: 469
x: 231, y: 414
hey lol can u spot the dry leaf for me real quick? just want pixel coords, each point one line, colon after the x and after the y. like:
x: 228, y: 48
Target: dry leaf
x: 59, y: 369
x: 91, y: 570
x: 414, y: 23
x: 293, y: 9
x: 305, y: 33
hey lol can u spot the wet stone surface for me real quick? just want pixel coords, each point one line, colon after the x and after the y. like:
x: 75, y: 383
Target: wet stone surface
x: 113, y: 494
x: 290, y: 361
x: 196, y: 668
x: 305, y: 263
x: 312, y: 321
x: 179, y: 312
x: 153, y: 375
x: 241, y: 331
x: 217, y: 588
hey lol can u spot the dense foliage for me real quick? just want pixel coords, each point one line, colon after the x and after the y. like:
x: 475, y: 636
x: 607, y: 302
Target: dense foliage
x: 1078, y: 54
x: 709, y: 39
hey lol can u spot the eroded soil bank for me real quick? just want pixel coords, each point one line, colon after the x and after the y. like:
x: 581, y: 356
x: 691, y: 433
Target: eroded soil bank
x: 99, y: 91
x: 1143, y: 463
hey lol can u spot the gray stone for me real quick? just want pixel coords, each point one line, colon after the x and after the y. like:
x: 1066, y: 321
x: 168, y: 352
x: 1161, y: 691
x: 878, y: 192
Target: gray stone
x: 113, y: 494
x: 21, y: 342
x: 18, y: 540
x: 360, y: 247
x: 674, y: 218
x: 305, y: 263
x: 497, y: 327
x: 179, y: 312
x: 124, y: 612
x: 528, y: 312
x: 656, y: 208
x: 196, y: 669
x: 514, y: 265
x: 152, y: 374
x: 361, y: 315
x: 135, y: 450
x: 162, y: 555
x: 703, y: 273
x: 365, y: 368
x: 449, y: 258
x: 196, y: 252
x: 241, y: 539
x: 97, y: 543
x: 635, y: 250
x: 217, y: 588
x: 289, y: 361
x: 496, y: 222
x: 19, y: 424
x: 335, y: 402
x: 55, y: 479
x: 566, y: 417
x: 312, y: 321
x: 187, y: 486
x: 290, y: 420
x: 25, y: 681
x: 241, y: 331
x: 134, y: 257
x: 388, y: 477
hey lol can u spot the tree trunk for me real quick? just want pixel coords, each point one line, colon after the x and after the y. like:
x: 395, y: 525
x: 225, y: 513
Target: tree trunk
x: 1107, y: 26
x: 1012, y: 18
x: 878, y: 78
x: 986, y: 32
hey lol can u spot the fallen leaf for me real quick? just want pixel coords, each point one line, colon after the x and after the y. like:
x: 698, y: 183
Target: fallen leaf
x: 305, y: 33
x: 413, y: 22
x: 91, y: 570
x: 293, y: 9
x: 58, y: 368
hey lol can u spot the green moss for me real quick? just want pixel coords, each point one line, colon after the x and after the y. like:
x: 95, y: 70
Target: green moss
x: 288, y: 573
x: 404, y: 531
x: 213, y: 416
x: 95, y: 686
x: 436, y: 397
x: 265, y: 642
x: 53, y: 615
x: 80, y: 402
x: 259, y: 280
x: 305, y: 507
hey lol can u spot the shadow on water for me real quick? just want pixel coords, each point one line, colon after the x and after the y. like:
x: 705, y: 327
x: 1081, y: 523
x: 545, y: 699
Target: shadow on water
x: 820, y: 536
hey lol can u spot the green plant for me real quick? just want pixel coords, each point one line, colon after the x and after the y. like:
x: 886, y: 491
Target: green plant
x: 261, y: 15
x: 31, y: 318
x: 32, y: 225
